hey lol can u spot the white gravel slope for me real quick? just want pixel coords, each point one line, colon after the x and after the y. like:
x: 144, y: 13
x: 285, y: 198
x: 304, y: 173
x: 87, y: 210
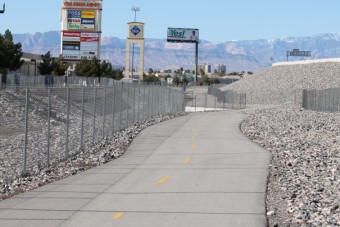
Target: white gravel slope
x: 282, y: 84
x: 304, y: 183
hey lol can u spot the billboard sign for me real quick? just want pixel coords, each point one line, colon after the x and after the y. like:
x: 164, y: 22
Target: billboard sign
x: 297, y: 52
x: 189, y: 35
x: 76, y: 45
x: 81, y: 29
x: 81, y: 20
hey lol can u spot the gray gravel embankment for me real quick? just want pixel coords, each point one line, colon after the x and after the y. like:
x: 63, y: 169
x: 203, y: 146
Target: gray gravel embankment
x: 283, y: 84
x: 304, y: 182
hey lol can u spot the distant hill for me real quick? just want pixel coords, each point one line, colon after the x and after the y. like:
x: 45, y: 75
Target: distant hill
x: 242, y: 55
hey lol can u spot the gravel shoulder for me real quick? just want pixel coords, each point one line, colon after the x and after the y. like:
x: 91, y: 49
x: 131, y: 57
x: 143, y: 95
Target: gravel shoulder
x: 304, y: 183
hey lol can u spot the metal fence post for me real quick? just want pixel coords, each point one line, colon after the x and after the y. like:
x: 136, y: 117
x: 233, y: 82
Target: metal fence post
x: 138, y: 103
x: 26, y: 132
x: 121, y: 107
x: 245, y: 101
x: 152, y: 101
x: 104, y: 112
x: 169, y: 101
x: 67, y: 122
x: 330, y: 100
x: 337, y: 99
x: 48, y: 126
x: 134, y: 105
x: 195, y: 103
x: 128, y: 106
x: 144, y: 99
x: 148, y: 108
x: 82, y: 118
x: 159, y: 99
x: 232, y: 100
x: 94, y: 115
x: 113, y: 110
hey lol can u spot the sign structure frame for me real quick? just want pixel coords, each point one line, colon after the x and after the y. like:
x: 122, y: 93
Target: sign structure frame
x: 135, y: 36
x: 185, y: 35
x: 298, y: 53
x: 81, y: 22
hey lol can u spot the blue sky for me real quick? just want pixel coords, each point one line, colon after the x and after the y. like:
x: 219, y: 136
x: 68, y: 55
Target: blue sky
x: 218, y: 20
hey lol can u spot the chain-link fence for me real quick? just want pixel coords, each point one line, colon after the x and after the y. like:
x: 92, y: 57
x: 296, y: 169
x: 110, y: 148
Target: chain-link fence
x: 327, y: 100
x: 17, y: 80
x: 40, y: 127
x: 275, y: 97
x: 211, y: 98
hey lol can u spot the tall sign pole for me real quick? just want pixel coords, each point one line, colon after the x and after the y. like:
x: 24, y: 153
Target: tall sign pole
x: 136, y: 9
x: 135, y: 35
x: 299, y: 53
x: 196, y: 61
x: 185, y: 35
x: 3, y: 9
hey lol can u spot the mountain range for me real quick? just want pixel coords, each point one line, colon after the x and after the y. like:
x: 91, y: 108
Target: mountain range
x: 237, y: 55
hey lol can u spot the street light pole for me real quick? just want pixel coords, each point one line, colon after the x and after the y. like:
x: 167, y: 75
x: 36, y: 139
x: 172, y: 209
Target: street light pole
x: 3, y: 9
x: 133, y: 8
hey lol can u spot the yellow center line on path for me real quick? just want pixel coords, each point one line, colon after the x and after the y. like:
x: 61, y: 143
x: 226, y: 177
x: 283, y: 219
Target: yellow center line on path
x: 161, y: 181
x: 193, y: 147
x: 187, y: 161
x: 118, y: 215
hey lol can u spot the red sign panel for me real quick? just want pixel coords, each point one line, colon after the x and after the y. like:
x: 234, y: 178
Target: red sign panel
x: 88, y: 39
x: 72, y: 34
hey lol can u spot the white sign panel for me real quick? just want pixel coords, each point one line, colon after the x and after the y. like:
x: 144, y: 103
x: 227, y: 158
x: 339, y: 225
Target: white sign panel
x: 77, y: 45
x: 76, y: 39
x: 183, y: 35
x: 89, y: 35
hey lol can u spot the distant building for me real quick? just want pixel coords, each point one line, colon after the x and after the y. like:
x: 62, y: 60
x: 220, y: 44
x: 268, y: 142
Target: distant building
x: 205, y: 67
x: 200, y: 67
x: 30, y: 65
x: 120, y: 67
x: 220, y: 68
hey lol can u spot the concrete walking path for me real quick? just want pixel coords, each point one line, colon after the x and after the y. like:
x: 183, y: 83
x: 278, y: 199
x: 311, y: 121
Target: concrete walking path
x: 196, y: 170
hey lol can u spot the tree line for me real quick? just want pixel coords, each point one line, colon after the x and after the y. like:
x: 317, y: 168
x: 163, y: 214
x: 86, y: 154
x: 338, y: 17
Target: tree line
x: 11, y: 60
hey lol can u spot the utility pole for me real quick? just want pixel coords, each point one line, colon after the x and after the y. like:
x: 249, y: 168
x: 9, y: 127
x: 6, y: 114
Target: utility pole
x: 196, y: 60
x: 136, y: 9
x: 3, y: 9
